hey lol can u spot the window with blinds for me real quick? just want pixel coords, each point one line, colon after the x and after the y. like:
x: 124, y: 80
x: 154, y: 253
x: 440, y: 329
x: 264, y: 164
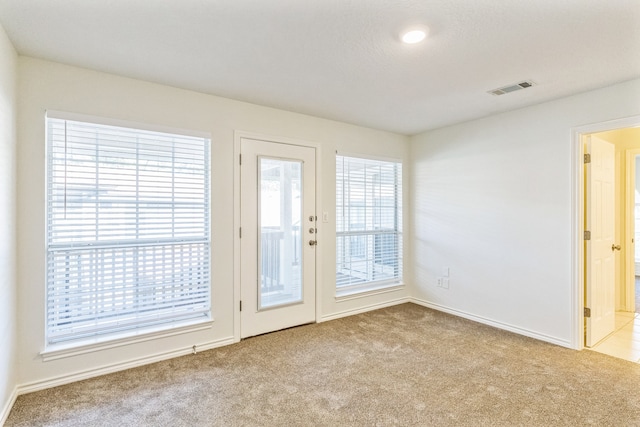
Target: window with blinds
x: 368, y: 223
x: 128, y: 242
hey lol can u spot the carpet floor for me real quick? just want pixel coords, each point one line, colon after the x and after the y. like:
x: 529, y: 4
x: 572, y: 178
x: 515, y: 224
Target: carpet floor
x: 400, y: 366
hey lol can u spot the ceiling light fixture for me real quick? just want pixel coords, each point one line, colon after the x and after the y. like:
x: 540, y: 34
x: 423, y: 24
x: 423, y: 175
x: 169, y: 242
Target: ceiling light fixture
x: 414, y: 36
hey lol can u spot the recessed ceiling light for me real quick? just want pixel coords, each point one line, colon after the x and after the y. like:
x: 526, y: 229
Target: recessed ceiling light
x: 414, y: 36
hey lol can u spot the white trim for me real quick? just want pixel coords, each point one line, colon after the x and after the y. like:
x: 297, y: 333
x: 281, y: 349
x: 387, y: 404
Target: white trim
x: 236, y: 236
x: 125, y: 124
x: 485, y: 321
x: 121, y: 366
x: 321, y: 233
x: 238, y: 135
x: 577, y: 219
x: 629, y: 215
x: 75, y: 349
x: 6, y: 410
x: 364, y: 309
x: 365, y: 291
x: 577, y: 241
x: 625, y: 122
x: 370, y: 157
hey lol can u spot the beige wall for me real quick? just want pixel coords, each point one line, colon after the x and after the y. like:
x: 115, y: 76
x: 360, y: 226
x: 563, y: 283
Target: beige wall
x: 493, y: 200
x: 8, y: 286
x: 51, y: 86
x: 490, y: 199
x: 624, y: 140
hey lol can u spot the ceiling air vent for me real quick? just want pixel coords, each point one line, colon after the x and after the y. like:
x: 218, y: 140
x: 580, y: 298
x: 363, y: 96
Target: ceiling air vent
x: 511, y: 88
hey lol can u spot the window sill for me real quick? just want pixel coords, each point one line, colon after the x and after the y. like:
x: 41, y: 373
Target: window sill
x: 368, y: 290
x: 60, y: 351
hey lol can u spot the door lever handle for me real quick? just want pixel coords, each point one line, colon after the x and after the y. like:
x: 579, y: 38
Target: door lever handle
x: 616, y: 247
x: 313, y: 242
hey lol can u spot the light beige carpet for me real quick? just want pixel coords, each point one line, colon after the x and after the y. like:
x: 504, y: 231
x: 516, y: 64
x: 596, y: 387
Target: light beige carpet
x: 403, y: 366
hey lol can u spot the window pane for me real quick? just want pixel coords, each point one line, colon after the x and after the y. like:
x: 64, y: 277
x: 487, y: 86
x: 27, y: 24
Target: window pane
x: 281, y: 240
x: 368, y: 222
x: 127, y: 229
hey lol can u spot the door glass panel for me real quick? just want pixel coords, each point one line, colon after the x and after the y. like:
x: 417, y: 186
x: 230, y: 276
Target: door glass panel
x: 280, y: 214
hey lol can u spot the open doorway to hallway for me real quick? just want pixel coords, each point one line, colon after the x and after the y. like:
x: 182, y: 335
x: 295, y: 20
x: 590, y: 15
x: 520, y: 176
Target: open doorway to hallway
x: 621, y: 337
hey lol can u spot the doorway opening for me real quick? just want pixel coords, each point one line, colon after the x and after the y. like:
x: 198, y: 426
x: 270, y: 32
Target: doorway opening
x: 615, y: 296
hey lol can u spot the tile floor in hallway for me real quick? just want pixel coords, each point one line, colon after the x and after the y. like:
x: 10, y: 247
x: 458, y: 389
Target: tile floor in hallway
x: 624, y: 343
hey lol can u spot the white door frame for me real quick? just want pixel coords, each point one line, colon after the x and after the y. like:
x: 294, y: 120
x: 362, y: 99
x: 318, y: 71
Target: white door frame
x: 238, y: 135
x: 577, y: 219
x: 630, y: 267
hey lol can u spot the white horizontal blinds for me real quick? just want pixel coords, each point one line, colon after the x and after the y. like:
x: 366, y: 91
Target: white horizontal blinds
x: 368, y: 221
x: 127, y: 229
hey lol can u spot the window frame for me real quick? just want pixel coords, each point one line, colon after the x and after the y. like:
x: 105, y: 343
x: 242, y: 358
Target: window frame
x: 63, y: 348
x: 371, y: 286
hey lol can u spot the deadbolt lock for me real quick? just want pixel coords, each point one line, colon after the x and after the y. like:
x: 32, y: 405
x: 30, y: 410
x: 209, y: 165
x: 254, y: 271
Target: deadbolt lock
x: 313, y: 242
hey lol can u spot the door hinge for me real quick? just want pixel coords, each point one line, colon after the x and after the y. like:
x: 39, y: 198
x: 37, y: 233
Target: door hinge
x: 587, y: 158
x: 240, y: 232
x: 240, y: 305
x: 587, y: 235
x: 240, y: 159
x: 587, y: 312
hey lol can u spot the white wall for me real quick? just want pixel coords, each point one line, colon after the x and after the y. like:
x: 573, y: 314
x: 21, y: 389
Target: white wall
x: 8, y: 289
x: 45, y: 85
x: 491, y: 199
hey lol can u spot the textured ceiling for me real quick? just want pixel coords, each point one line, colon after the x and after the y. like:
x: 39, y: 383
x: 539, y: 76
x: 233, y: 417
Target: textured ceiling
x: 342, y: 59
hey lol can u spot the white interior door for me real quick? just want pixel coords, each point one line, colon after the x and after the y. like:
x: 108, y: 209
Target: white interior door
x: 277, y: 246
x: 599, y: 250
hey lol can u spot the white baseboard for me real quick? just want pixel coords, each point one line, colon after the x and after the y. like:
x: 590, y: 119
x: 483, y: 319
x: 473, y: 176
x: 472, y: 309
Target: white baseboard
x: 8, y: 405
x: 495, y: 324
x: 96, y: 372
x: 359, y: 310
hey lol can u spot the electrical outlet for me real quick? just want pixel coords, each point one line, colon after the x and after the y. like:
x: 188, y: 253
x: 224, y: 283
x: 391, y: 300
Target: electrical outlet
x: 439, y: 282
